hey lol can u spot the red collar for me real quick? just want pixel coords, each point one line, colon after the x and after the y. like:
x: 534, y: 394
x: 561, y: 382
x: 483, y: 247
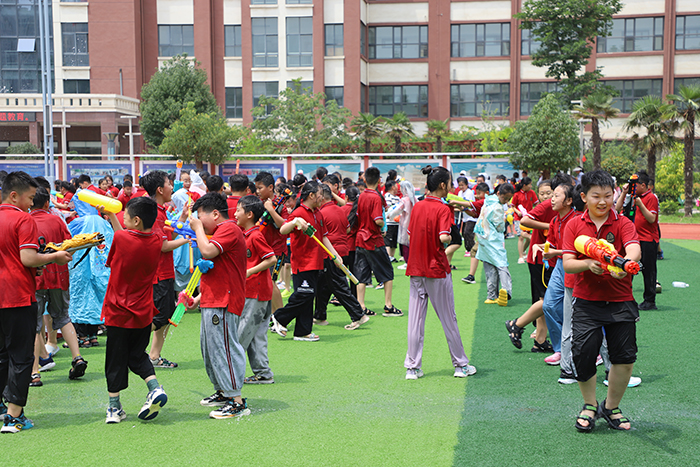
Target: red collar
x: 11, y: 206
x: 432, y: 198
x: 612, y: 216
x: 250, y: 230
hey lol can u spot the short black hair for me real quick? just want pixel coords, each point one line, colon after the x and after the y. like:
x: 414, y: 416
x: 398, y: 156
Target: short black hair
x: 252, y: 203
x: 144, y: 208
x: 19, y: 182
x: 251, y: 187
x: 501, y: 177
x: 321, y: 172
x: 299, y: 180
x: 562, y: 178
x: 281, y: 179
x: 204, y: 175
x: 463, y: 180
x: 391, y: 174
x: 70, y: 187
x: 265, y: 178
x: 372, y: 175
x: 43, y: 183
x: 310, y: 187
x: 84, y: 178
x: 332, y: 179
x: 215, y: 183
x: 483, y: 187
x: 152, y: 181
x: 327, y: 192
x: 129, y: 177
x: 389, y: 185
x: 347, y: 183
x: 212, y: 201
x: 360, y: 183
x: 238, y: 182
x: 127, y: 184
x: 505, y: 188
x: 643, y: 177
x: 282, y: 188
x: 578, y: 203
x: 597, y: 177
x: 41, y: 198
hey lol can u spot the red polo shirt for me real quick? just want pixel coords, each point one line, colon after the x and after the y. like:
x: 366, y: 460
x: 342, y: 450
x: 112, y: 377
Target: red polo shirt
x: 53, y: 230
x: 351, y: 238
x: 272, y: 235
x: 477, y: 205
x: 648, y: 231
x: 617, y: 230
x: 337, y: 225
x: 67, y: 197
x: 307, y: 255
x: 123, y: 198
x: 369, y: 210
x: 18, y: 231
x: 543, y: 212
x: 527, y: 200
x: 99, y: 191
x: 224, y: 285
x: 430, y: 218
x: 257, y: 286
x: 232, y: 202
x: 114, y: 191
x: 166, y: 266
x: 133, y: 259
x: 555, y: 238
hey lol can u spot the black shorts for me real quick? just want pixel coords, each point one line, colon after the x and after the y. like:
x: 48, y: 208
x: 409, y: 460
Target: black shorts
x: 537, y: 287
x: 392, y: 235
x: 377, y: 261
x: 456, y: 237
x: 288, y: 257
x: 126, y: 350
x: 588, y: 323
x: 164, y: 298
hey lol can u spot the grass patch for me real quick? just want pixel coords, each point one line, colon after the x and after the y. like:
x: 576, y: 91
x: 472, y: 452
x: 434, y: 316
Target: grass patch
x: 679, y: 218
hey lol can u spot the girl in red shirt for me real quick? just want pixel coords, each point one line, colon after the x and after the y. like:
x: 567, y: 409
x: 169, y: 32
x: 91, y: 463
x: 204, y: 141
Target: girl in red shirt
x: 431, y: 277
x: 523, y: 201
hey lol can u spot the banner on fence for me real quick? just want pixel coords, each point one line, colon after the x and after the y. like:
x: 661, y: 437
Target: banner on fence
x: 407, y: 169
x: 490, y: 167
x: 251, y: 169
x: 346, y: 169
x: 35, y: 169
x: 165, y: 166
x: 97, y: 170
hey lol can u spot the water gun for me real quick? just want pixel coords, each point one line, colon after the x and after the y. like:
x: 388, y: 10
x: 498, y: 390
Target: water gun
x: 180, y: 228
x: 603, y: 252
x: 278, y: 266
x: 267, y: 217
x: 509, y: 215
x: 452, y: 197
x: 629, y: 209
x: 546, y: 250
x: 310, y: 231
x: 93, y: 199
x: 185, y: 299
x: 56, y: 194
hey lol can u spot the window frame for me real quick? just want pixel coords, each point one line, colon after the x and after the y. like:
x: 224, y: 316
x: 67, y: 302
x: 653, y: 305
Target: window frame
x: 628, y: 102
x: 233, y: 32
x: 335, y: 97
x: 269, y: 57
x: 334, y: 45
x: 531, y: 102
x: 631, y: 41
x: 256, y: 98
x: 398, y: 46
x: 305, y: 58
x: 684, y: 35
x: 184, y: 48
x: 78, y: 83
x: 233, y: 108
x: 80, y: 40
x: 479, y: 105
x: 459, y: 44
x: 401, y: 106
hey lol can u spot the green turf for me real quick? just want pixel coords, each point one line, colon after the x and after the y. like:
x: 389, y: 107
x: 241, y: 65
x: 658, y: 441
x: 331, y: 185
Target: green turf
x: 344, y: 400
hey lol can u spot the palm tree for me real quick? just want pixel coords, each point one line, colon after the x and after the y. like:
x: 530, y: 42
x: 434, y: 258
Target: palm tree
x: 367, y: 126
x: 648, y: 113
x: 597, y: 106
x: 438, y: 129
x: 687, y: 104
x: 397, y: 127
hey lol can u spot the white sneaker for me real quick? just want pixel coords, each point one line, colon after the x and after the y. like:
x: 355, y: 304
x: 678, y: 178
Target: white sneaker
x: 51, y: 350
x: 598, y: 361
x: 464, y: 371
x: 414, y: 373
x: 115, y: 415
x: 154, y: 402
x: 521, y: 261
x: 277, y: 327
x: 403, y: 266
x: 310, y: 338
x: 633, y: 383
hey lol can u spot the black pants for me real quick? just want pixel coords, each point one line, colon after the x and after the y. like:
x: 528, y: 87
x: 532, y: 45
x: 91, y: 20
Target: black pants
x: 468, y: 234
x: 649, y: 251
x: 17, y: 333
x: 349, y: 261
x: 85, y: 330
x: 332, y: 281
x: 300, y: 305
x: 126, y: 350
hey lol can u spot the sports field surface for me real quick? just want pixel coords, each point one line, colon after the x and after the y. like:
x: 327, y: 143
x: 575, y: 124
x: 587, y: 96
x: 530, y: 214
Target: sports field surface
x: 343, y: 401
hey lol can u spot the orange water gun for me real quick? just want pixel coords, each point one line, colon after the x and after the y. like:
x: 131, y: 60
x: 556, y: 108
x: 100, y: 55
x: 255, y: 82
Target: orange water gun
x: 603, y: 252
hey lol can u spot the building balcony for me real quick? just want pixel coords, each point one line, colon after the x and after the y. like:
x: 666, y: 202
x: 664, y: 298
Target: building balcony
x: 71, y: 103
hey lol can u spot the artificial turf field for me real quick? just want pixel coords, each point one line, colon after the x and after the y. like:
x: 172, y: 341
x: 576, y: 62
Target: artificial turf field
x: 344, y: 400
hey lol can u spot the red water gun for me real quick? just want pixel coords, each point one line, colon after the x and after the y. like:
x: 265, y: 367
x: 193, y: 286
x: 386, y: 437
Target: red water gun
x: 603, y: 252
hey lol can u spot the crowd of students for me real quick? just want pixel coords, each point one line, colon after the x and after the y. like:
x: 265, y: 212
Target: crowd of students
x: 253, y: 230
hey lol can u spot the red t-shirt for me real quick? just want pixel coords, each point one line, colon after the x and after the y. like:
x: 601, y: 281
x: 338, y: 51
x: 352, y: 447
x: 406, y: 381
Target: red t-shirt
x: 543, y: 212
x: 232, y: 202
x: 337, y: 225
x: 272, y: 235
x: 224, y: 285
x: 617, y: 230
x: 53, y: 230
x: 555, y: 238
x: 133, y: 260
x: 369, y: 210
x: 257, y: 286
x: 67, y: 197
x: 114, y: 191
x: 123, y: 198
x: 166, y: 266
x: 477, y: 205
x: 18, y: 231
x: 648, y: 232
x: 99, y: 191
x: 430, y: 218
x: 351, y: 237
x: 527, y: 200
x: 307, y: 255
x: 194, y: 196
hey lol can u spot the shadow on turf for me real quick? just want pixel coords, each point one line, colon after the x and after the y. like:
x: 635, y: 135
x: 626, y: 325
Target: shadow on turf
x: 644, y: 430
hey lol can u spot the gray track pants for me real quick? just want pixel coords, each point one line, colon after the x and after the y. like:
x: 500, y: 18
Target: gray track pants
x: 494, y: 276
x: 252, y: 334
x: 224, y: 358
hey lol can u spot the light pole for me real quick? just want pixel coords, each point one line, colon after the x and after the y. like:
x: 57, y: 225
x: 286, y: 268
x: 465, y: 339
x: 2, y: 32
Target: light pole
x: 581, y: 123
x: 45, y: 54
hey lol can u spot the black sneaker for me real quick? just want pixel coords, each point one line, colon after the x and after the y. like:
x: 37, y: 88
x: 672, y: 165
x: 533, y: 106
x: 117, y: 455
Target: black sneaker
x: 544, y: 347
x: 566, y: 378
x: 645, y: 306
x: 393, y: 311
x: 469, y: 279
x: 215, y: 400
x: 78, y: 366
x: 257, y: 379
x: 231, y: 409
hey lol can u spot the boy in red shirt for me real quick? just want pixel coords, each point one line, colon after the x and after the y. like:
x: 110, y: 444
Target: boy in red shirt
x: 18, y: 310
x: 370, y: 254
x: 52, y: 286
x: 126, y: 194
x: 523, y: 201
x: 255, y: 318
x: 602, y: 299
x: 239, y: 189
x: 128, y: 308
x: 85, y: 182
x: 221, y: 301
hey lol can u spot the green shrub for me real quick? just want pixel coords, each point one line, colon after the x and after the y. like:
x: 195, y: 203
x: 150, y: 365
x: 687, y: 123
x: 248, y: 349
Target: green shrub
x: 669, y: 207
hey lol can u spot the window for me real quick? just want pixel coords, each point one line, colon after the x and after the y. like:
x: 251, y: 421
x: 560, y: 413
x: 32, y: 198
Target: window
x: 633, y: 35
x: 528, y: 44
x: 263, y: 2
x: 398, y: 42
x: 678, y: 82
x: 531, y: 93
x: 75, y: 44
x: 480, y: 40
x: 232, y: 38
x: 471, y: 100
x: 306, y: 87
x: 335, y: 93
x: 76, y: 86
x: 234, y: 102
x: 299, y: 2
x: 688, y: 32
x: 386, y: 101
x: 85, y: 147
x: 265, y: 42
x: 363, y: 97
x: 300, y: 42
x: 334, y: 40
x: 363, y: 39
x: 175, y: 39
x: 632, y: 89
x: 265, y: 88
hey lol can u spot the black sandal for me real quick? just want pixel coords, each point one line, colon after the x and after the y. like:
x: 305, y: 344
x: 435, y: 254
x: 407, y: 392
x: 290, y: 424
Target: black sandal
x: 544, y: 347
x: 515, y: 332
x: 369, y: 312
x: 588, y: 418
x: 613, y: 423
